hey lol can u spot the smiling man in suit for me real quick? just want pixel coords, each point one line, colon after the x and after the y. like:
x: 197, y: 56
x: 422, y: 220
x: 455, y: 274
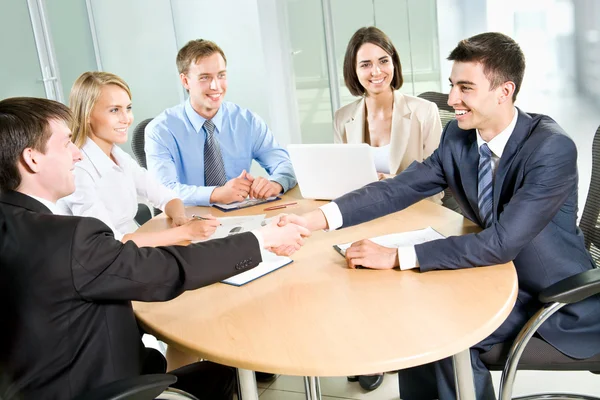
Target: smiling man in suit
x: 77, y: 330
x: 511, y: 172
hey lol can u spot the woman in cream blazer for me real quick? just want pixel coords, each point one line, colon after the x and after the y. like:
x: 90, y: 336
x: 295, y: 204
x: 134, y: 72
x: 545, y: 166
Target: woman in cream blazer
x: 399, y: 128
x: 410, y: 125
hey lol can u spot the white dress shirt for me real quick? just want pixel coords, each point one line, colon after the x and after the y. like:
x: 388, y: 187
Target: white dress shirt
x: 407, y: 254
x: 110, y: 191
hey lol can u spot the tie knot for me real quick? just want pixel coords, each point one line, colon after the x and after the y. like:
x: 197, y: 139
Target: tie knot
x: 484, y: 151
x: 209, y: 126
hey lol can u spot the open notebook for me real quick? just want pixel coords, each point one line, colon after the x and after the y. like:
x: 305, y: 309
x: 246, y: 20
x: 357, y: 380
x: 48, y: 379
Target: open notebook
x: 398, y: 239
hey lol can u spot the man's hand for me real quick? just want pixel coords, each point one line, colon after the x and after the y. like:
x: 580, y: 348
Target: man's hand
x: 236, y: 189
x: 200, y: 229
x: 263, y: 188
x: 367, y: 254
x: 283, y: 240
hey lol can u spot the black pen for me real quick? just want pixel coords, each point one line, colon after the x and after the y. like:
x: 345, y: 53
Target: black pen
x: 199, y: 217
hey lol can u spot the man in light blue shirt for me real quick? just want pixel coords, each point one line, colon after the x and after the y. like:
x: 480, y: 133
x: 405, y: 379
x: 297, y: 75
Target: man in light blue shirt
x: 203, y: 148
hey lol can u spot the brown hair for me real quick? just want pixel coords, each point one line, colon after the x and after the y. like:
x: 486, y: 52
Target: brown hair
x: 501, y: 57
x: 25, y: 123
x: 84, y: 95
x: 374, y: 36
x: 195, y: 50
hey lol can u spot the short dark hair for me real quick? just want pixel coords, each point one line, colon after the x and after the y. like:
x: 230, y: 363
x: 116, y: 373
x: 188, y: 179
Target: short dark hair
x: 25, y: 123
x: 501, y: 57
x: 374, y: 36
x: 195, y: 50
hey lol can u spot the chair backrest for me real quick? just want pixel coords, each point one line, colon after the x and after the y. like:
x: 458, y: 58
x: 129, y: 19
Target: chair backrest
x: 440, y: 100
x: 590, y: 219
x: 137, y: 142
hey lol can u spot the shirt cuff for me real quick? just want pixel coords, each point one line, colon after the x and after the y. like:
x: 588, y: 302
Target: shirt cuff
x: 408, y: 257
x: 283, y: 188
x: 333, y: 215
x: 259, y: 237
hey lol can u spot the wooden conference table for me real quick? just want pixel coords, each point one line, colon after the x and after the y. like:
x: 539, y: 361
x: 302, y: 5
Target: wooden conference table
x: 315, y: 317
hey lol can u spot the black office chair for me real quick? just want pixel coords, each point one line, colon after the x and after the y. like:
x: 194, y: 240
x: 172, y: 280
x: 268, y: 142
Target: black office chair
x: 143, y: 387
x: 137, y: 145
x: 531, y: 353
x: 446, y: 115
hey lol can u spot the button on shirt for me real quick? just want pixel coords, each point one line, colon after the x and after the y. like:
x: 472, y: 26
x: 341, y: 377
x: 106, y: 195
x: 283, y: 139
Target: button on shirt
x: 174, y: 146
x: 110, y: 191
x: 407, y: 255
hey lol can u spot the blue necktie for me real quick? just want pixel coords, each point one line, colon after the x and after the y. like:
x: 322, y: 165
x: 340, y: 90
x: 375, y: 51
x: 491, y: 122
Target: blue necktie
x: 485, y: 189
x: 214, y: 170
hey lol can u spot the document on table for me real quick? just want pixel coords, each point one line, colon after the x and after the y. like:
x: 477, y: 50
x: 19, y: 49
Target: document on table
x: 233, y: 225
x: 398, y: 239
x: 244, y: 203
x: 270, y: 262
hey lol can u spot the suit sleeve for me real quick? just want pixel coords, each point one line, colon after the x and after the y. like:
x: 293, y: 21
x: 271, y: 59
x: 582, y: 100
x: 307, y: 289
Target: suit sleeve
x: 418, y: 181
x: 105, y: 269
x: 338, y: 128
x: 550, y: 175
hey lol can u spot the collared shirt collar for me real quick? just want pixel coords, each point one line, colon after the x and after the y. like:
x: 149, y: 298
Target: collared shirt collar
x: 197, y: 120
x: 498, y: 143
x: 50, y: 205
x: 96, y: 156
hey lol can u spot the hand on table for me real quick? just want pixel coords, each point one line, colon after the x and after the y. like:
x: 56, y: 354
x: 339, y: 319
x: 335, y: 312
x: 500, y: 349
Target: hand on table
x: 263, y: 188
x: 367, y: 254
x: 200, y: 229
x: 180, y: 220
x: 236, y: 189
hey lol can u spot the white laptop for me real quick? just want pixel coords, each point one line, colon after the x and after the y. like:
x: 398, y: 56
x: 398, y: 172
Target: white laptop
x: 327, y: 171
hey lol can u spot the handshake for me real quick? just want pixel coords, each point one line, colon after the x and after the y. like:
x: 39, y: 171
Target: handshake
x: 285, y: 234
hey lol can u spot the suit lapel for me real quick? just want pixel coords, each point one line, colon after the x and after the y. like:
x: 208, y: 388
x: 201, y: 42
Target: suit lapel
x: 519, y: 134
x: 469, y: 165
x: 355, y: 127
x: 400, y: 131
x: 22, y: 200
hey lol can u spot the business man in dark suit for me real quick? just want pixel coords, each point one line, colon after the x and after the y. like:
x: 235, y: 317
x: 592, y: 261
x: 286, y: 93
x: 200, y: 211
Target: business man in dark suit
x: 514, y: 174
x: 77, y: 329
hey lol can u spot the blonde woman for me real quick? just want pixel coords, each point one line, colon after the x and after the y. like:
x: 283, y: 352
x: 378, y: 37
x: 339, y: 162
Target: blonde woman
x: 399, y: 128
x: 108, y: 181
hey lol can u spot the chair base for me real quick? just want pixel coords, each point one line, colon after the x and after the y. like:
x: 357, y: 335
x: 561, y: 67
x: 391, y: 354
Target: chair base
x: 556, y: 396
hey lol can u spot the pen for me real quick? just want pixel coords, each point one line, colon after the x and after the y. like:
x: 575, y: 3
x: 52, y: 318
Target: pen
x: 199, y: 217
x: 279, y: 206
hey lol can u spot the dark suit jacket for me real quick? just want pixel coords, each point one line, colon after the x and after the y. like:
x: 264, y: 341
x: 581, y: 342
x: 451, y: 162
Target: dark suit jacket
x: 535, y: 220
x: 78, y: 330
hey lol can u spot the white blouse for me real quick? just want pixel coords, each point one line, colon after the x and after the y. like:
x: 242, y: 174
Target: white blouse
x: 110, y: 191
x: 381, y: 156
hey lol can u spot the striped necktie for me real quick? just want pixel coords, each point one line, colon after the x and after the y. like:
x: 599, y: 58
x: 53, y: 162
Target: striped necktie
x: 214, y: 170
x: 485, y: 187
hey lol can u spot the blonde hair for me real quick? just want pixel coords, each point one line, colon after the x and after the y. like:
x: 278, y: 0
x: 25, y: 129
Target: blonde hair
x: 84, y: 95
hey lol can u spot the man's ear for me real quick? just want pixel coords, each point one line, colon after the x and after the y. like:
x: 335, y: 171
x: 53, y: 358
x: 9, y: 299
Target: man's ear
x: 184, y: 81
x: 506, y: 91
x: 31, y: 160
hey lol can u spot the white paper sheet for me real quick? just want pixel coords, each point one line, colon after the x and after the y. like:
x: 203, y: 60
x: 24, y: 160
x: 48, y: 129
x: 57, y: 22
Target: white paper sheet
x: 399, y: 239
x: 234, y: 225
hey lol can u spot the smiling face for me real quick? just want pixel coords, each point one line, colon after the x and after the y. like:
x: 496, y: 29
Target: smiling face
x: 111, y: 117
x: 475, y: 105
x: 54, y: 167
x: 206, y: 81
x: 374, y: 69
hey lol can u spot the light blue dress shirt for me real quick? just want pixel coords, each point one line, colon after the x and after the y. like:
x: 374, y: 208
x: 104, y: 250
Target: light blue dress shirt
x: 174, y: 145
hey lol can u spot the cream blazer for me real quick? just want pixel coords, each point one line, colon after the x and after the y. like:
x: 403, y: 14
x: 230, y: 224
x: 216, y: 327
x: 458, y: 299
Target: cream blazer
x: 416, y: 130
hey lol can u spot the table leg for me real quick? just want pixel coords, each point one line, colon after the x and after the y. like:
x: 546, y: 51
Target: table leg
x: 312, y: 387
x: 247, y: 381
x: 463, y: 375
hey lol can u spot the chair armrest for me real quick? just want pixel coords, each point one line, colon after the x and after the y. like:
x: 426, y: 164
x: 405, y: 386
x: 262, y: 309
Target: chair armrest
x: 573, y: 289
x: 139, y: 387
